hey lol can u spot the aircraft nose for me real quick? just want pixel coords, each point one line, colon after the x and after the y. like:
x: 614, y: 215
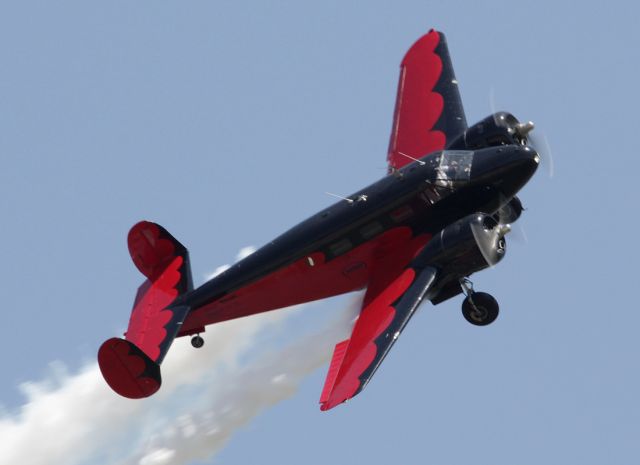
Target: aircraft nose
x: 506, y: 167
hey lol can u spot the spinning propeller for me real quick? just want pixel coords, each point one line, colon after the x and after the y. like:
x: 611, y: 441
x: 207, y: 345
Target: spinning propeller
x: 525, y: 131
x: 511, y: 209
x: 538, y: 142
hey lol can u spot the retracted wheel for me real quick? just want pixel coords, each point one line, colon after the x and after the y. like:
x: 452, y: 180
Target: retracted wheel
x: 480, y: 308
x: 197, y: 341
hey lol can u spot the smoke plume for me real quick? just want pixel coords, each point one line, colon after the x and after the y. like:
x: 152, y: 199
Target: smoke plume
x: 207, y: 395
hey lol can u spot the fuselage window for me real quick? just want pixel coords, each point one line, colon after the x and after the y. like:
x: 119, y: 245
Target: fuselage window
x: 370, y: 230
x: 340, y: 247
x: 430, y: 195
x: 401, y: 213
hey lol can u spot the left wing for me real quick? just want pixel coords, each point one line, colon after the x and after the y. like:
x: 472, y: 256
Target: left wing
x: 386, y: 311
x: 429, y: 111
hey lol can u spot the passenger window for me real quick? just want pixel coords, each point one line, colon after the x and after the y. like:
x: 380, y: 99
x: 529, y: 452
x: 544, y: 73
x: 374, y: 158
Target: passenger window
x: 370, y: 230
x: 401, y: 214
x: 340, y: 247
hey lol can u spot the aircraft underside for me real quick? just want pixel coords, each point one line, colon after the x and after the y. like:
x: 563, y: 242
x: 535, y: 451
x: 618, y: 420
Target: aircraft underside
x: 440, y: 215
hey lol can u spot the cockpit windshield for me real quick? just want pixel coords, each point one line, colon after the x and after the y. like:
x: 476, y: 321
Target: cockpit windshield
x: 454, y: 167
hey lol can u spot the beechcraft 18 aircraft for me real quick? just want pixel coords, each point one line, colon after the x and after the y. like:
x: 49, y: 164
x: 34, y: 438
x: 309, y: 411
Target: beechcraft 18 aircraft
x: 417, y: 234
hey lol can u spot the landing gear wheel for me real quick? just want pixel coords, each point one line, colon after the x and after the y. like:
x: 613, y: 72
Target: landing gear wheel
x: 197, y: 341
x: 480, y: 308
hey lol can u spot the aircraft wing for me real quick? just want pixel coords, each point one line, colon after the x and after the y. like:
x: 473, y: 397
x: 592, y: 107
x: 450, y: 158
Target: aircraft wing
x: 429, y: 110
x: 386, y: 310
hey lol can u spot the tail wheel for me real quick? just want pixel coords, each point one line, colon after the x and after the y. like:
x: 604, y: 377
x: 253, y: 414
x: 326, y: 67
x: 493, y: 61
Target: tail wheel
x: 480, y: 308
x: 197, y: 341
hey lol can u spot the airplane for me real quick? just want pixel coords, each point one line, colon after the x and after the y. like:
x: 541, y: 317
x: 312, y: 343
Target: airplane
x: 439, y: 215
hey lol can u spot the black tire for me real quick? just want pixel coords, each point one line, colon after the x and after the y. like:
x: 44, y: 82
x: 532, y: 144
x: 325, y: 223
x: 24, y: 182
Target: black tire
x: 485, y: 311
x: 197, y: 342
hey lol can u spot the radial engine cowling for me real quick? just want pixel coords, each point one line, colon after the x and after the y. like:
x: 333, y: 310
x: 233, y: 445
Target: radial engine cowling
x: 501, y: 128
x: 470, y: 244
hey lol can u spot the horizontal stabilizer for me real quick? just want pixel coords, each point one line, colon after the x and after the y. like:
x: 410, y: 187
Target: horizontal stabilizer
x: 131, y: 366
x: 164, y: 261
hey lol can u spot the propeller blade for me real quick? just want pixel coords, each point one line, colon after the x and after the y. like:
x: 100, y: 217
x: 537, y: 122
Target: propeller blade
x: 492, y: 103
x: 519, y: 235
x: 509, y: 212
x: 540, y: 143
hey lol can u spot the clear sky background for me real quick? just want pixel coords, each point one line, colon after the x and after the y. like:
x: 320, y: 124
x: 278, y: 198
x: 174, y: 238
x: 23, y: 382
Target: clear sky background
x: 227, y: 121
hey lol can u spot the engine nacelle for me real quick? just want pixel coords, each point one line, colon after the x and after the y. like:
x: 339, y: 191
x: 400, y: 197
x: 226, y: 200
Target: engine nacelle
x: 501, y: 128
x: 470, y: 244
x: 510, y: 211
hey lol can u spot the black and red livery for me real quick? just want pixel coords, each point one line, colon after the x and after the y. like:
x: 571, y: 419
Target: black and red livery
x: 417, y: 234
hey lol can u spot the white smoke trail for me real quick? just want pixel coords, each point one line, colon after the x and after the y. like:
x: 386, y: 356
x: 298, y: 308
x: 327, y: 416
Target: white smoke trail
x: 229, y: 400
x: 206, y: 396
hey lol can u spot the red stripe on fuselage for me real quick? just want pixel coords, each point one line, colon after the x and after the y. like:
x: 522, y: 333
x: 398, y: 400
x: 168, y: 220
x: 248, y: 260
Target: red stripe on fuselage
x: 301, y: 282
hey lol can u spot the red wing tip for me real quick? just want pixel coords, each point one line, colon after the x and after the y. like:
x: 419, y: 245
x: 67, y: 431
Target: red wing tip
x: 329, y: 404
x: 432, y: 32
x: 334, y: 368
x: 127, y: 370
x: 324, y: 406
x: 423, y: 46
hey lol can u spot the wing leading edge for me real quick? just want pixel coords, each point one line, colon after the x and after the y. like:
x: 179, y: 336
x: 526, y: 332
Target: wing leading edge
x: 429, y: 110
x: 385, y: 313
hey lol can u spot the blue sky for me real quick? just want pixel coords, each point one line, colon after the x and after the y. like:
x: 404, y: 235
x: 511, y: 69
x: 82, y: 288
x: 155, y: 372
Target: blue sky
x: 227, y: 121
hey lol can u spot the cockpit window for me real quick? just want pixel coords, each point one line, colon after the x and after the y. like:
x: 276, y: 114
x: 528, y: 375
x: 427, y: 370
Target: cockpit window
x: 454, y: 167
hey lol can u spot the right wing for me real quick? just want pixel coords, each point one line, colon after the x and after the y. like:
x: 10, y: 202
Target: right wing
x: 386, y: 311
x: 429, y: 110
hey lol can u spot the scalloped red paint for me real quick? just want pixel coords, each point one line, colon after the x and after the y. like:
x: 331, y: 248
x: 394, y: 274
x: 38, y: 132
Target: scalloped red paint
x: 148, y: 250
x: 127, y: 370
x: 374, y: 319
x: 418, y: 107
x: 150, y: 315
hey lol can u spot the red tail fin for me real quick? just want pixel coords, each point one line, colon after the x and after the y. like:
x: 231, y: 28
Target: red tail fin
x: 131, y: 366
x: 128, y: 370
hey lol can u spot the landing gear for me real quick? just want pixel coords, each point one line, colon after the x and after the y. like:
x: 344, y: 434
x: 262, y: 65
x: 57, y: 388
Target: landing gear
x: 197, y: 341
x: 478, y: 308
